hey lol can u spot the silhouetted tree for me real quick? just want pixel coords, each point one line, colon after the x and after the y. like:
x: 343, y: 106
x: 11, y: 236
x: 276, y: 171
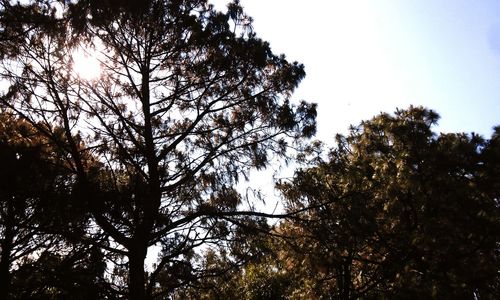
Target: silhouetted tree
x: 188, y: 102
x: 37, y: 218
x: 75, y: 273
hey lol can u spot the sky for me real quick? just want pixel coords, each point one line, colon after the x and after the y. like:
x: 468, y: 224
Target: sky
x: 365, y: 57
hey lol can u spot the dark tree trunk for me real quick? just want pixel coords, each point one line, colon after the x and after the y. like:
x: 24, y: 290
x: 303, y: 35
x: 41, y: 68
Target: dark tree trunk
x: 4, y: 273
x: 137, y: 286
x: 6, y: 245
x: 346, y: 288
x: 344, y: 279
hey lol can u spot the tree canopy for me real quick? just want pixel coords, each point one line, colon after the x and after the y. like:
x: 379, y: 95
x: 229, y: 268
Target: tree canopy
x: 394, y: 211
x: 39, y: 222
x: 187, y: 102
x: 400, y: 211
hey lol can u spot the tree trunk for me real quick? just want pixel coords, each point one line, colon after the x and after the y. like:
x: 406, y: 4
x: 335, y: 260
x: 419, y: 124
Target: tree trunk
x: 6, y: 246
x: 344, y: 279
x: 137, y: 286
x: 4, y: 274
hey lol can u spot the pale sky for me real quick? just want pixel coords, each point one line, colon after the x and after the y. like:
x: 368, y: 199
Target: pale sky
x: 364, y: 57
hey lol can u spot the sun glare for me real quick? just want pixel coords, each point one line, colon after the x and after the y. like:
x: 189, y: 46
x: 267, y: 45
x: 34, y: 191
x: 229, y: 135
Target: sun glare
x: 85, y: 64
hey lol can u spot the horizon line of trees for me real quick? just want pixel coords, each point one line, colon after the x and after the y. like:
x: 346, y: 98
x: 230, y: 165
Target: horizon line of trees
x: 95, y: 173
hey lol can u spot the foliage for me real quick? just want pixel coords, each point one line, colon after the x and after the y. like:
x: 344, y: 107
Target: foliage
x: 248, y: 271
x: 37, y: 217
x: 188, y: 102
x: 395, y: 212
x: 76, y: 275
x: 399, y: 212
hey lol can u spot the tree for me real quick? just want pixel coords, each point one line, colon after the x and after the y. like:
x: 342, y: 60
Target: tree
x: 76, y: 273
x: 189, y: 100
x: 250, y: 269
x: 35, y: 218
x: 398, y: 212
x: 23, y: 184
x: 18, y: 20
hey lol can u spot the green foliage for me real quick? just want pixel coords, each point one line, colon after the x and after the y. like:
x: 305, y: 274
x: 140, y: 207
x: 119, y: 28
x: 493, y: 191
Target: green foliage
x: 248, y: 271
x: 396, y: 212
x: 400, y: 212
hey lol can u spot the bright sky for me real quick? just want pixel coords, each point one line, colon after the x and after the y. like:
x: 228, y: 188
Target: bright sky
x: 364, y: 57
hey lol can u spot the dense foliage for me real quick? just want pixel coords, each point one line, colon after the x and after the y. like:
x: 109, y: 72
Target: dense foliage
x: 396, y: 211
x: 402, y: 212
x: 39, y: 221
x: 188, y: 101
